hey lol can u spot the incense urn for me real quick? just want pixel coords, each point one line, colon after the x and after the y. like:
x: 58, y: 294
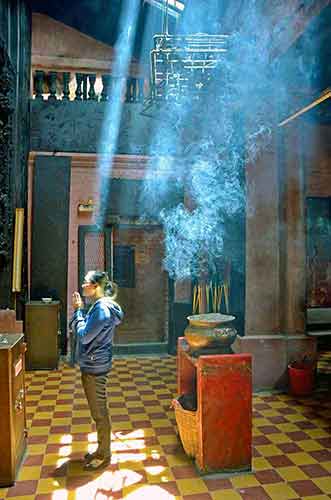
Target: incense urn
x: 210, y: 332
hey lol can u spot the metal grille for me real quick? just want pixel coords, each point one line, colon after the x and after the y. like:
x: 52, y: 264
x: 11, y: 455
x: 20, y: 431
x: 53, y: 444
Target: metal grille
x: 94, y: 245
x: 182, y: 65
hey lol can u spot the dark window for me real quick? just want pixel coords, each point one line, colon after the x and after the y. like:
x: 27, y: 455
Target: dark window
x: 124, y: 266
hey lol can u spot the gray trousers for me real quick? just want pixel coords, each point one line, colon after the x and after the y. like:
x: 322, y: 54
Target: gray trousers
x: 95, y: 388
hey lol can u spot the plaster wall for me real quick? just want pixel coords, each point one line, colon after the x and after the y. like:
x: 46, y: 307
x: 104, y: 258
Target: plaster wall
x: 58, y: 47
x: 146, y: 305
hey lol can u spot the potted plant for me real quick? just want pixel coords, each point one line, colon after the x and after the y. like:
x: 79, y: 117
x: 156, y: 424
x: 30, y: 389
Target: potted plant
x: 301, y: 375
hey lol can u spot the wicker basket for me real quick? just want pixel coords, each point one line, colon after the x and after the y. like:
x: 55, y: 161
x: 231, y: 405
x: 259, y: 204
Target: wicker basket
x: 187, y: 423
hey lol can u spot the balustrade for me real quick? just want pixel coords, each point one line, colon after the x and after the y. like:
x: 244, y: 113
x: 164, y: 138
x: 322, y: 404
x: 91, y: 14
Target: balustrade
x: 53, y: 85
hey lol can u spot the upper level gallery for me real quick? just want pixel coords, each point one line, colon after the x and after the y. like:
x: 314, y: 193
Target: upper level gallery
x: 73, y: 85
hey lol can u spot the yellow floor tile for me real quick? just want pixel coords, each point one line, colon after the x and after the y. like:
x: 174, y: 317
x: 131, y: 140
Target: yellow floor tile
x: 317, y: 433
x: 277, y: 404
x: 288, y: 427
x: 51, y: 485
x: 324, y: 484
x: 191, y: 486
x: 27, y: 473
x: 118, y: 399
x: 38, y: 431
x: 169, y: 439
x: 131, y: 404
x: 52, y: 459
x: 36, y: 449
x: 270, y: 413
x: 44, y: 414
x: 258, y: 422
x: 118, y: 411
x: 260, y: 463
x: 301, y: 458
x: 154, y: 409
x: 58, y: 438
x: 318, y: 497
x: 132, y: 462
x: 269, y: 450
x: 279, y: 438
x: 292, y: 473
x: 244, y: 481
x: 136, y: 417
x: 310, y: 445
x: 149, y: 492
x: 158, y: 474
x: 160, y: 423
x: 327, y: 466
x: 256, y: 432
x: 147, y: 397
x: 178, y: 459
x: 81, y: 413
x: 34, y: 397
x: 75, y: 429
x: 80, y: 446
x: 121, y: 426
x: 295, y: 417
x: 280, y: 491
x: 64, y: 407
x: 61, y: 421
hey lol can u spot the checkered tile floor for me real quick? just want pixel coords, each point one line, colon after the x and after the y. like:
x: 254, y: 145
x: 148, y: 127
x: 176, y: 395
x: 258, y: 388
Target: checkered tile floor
x: 292, y: 443
x: 324, y: 362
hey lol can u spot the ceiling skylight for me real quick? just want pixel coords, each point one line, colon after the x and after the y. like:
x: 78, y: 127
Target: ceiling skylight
x: 174, y: 7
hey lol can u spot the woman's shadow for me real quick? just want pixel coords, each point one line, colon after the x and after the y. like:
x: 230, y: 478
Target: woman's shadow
x: 74, y: 473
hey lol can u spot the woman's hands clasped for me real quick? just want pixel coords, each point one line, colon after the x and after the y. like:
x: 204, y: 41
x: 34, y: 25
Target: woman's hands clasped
x: 77, y: 302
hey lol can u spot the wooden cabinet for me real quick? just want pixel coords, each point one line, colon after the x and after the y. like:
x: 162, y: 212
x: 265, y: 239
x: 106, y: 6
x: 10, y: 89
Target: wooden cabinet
x: 223, y: 383
x: 12, y: 406
x: 41, y: 333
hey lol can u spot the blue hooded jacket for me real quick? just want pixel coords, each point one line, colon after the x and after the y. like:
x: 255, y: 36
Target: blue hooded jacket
x: 94, y: 335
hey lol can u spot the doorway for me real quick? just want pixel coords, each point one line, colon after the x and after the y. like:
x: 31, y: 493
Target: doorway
x: 132, y: 255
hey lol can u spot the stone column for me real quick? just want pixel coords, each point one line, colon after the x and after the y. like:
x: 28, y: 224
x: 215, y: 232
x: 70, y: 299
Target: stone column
x: 293, y: 250
x: 275, y: 261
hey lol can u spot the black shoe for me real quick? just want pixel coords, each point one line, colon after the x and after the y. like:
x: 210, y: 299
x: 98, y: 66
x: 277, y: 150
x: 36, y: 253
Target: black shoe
x: 90, y: 456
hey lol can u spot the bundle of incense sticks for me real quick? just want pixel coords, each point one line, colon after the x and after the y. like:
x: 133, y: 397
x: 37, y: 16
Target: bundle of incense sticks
x: 214, y: 293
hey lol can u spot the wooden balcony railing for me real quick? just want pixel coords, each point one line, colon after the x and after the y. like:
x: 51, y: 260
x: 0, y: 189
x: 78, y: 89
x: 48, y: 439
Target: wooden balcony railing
x: 53, y: 85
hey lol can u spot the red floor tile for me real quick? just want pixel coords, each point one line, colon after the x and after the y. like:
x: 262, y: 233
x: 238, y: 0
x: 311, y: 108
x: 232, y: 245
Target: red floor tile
x: 305, y: 488
x: 22, y: 488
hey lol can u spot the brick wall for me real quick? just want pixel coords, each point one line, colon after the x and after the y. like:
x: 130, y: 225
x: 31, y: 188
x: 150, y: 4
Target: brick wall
x: 146, y: 318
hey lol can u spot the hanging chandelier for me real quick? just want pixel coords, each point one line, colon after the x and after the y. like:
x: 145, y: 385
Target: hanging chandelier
x: 182, y: 66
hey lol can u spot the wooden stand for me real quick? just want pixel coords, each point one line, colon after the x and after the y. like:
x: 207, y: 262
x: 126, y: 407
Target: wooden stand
x: 12, y: 406
x: 41, y: 332
x: 224, y: 414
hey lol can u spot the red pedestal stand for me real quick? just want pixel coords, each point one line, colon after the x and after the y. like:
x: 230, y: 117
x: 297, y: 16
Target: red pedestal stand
x: 224, y: 415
